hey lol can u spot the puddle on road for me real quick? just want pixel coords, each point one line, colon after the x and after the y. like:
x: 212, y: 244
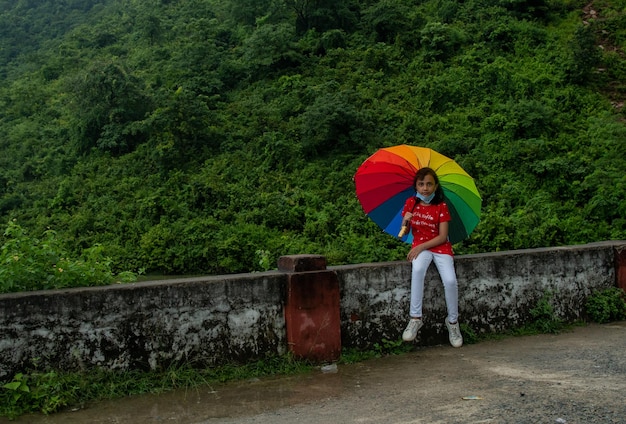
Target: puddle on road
x: 247, y: 398
x: 206, y: 402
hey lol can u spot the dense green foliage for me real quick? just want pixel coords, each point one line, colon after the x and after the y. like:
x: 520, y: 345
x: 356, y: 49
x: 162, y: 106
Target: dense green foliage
x: 607, y: 305
x: 29, y: 263
x: 213, y: 136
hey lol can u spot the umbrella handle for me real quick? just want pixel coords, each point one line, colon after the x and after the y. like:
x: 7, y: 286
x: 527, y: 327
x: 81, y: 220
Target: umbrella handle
x: 404, y: 230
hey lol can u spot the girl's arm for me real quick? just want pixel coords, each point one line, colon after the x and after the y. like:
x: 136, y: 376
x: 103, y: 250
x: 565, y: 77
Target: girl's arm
x: 440, y: 239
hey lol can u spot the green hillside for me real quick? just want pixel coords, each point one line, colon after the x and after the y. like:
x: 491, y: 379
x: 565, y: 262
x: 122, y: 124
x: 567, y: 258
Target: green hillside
x: 213, y: 136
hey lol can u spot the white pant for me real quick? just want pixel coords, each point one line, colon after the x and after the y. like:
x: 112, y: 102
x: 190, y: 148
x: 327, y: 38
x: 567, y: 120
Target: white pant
x: 445, y: 266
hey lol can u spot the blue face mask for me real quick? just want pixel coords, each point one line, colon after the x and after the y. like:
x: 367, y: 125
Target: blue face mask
x: 424, y: 198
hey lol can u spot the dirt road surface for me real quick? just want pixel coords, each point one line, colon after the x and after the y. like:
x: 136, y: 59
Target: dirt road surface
x: 576, y: 377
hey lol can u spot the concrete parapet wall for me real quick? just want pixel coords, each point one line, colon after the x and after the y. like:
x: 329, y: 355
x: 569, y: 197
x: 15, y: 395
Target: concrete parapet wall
x: 144, y: 325
x: 496, y: 291
x: 213, y: 320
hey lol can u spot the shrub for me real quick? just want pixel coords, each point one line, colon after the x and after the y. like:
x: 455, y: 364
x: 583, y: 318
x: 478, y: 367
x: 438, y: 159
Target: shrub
x: 607, y: 305
x: 545, y: 320
x: 29, y: 263
x: 37, y: 392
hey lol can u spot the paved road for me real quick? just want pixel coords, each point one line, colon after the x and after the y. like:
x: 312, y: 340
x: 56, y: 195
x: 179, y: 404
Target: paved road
x: 575, y: 377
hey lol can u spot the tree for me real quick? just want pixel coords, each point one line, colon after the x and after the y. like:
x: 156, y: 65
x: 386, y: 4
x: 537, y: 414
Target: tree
x: 389, y: 18
x: 272, y: 47
x: 182, y: 128
x: 322, y: 15
x: 332, y: 122
x: 106, y: 101
x: 585, y: 54
x: 248, y: 11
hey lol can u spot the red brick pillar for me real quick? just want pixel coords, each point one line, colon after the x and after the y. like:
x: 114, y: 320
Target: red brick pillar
x: 620, y: 267
x: 311, y: 308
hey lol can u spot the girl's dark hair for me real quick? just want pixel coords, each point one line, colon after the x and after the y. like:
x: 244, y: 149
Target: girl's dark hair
x: 419, y: 176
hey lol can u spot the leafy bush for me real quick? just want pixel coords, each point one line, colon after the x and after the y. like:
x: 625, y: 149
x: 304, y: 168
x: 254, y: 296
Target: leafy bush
x: 544, y: 320
x: 469, y: 335
x: 36, y: 392
x: 29, y: 263
x: 607, y: 305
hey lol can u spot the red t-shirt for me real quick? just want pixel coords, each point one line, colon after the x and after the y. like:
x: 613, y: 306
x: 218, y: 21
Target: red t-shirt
x: 425, y: 223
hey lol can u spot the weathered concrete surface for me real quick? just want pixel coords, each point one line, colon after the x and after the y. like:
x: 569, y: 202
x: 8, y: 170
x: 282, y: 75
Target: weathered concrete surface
x: 210, y: 320
x: 144, y: 325
x: 577, y: 377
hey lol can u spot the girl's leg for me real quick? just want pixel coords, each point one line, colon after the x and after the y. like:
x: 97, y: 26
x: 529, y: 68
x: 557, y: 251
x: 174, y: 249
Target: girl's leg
x: 418, y: 274
x: 445, y: 266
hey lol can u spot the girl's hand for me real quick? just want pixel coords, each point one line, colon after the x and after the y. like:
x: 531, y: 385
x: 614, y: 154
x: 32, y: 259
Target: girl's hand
x: 414, y: 252
x: 440, y: 239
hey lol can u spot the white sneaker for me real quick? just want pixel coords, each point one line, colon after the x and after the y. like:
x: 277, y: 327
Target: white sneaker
x: 410, y: 332
x: 454, y: 334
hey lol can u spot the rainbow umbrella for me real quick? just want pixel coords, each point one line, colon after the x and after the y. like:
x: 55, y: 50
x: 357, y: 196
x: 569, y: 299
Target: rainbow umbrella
x: 385, y: 180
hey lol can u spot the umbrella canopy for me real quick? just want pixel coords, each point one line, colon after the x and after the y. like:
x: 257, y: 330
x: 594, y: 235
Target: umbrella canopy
x: 385, y: 180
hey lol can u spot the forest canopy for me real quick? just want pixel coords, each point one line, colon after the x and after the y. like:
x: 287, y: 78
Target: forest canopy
x: 214, y: 136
